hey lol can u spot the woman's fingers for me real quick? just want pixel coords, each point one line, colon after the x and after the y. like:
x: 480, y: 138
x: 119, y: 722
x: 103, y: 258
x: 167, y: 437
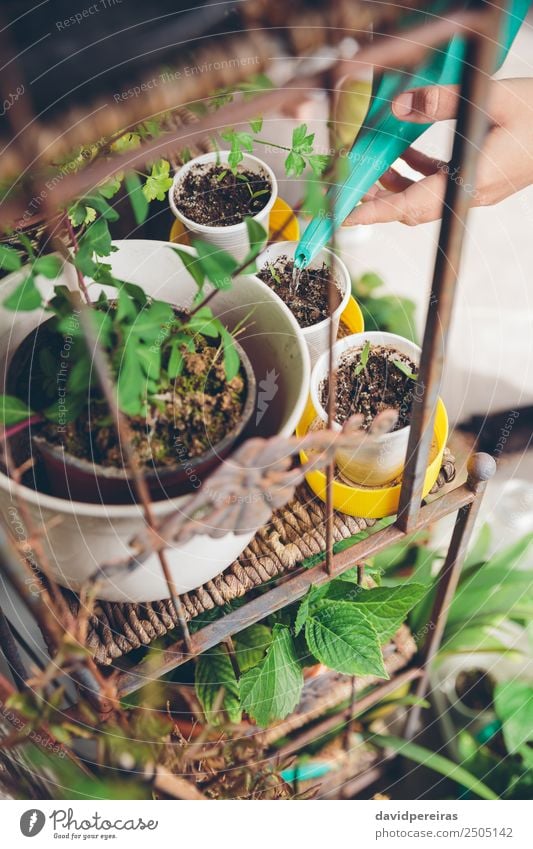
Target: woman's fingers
x: 394, y: 182
x: 419, y: 203
x: 423, y: 105
x: 420, y: 162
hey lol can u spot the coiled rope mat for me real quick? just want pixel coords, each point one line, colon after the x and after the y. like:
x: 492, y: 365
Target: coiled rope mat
x: 293, y: 534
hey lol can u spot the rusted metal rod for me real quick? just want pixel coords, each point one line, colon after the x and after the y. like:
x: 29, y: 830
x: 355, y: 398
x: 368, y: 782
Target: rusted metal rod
x: 472, y: 125
x: 481, y: 468
x: 289, y: 591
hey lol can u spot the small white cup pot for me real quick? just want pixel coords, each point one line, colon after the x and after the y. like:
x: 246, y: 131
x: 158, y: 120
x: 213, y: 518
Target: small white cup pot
x: 374, y: 460
x: 233, y: 238
x: 316, y: 336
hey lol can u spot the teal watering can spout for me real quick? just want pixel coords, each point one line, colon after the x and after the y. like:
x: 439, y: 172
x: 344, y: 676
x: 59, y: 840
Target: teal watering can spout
x: 383, y: 137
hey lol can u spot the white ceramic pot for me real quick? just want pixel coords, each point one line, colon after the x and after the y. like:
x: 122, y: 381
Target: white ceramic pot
x: 317, y: 336
x: 234, y: 238
x: 80, y: 536
x: 511, y: 662
x: 376, y: 460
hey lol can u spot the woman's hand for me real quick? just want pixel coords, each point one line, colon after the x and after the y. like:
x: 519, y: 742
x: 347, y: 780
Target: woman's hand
x: 505, y: 163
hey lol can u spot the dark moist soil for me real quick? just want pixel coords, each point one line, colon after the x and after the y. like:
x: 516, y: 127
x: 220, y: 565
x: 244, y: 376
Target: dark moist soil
x: 213, y: 195
x: 309, y: 304
x: 193, y: 413
x: 475, y: 688
x: 379, y: 386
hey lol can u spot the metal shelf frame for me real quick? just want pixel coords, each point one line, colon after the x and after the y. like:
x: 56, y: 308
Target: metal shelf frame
x: 481, y: 29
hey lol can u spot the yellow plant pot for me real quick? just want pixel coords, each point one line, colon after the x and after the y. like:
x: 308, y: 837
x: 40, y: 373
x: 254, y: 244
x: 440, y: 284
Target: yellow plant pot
x: 370, y: 502
x: 282, y: 224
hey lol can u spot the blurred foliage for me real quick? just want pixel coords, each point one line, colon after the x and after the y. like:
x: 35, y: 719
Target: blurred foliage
x: 390, y: 313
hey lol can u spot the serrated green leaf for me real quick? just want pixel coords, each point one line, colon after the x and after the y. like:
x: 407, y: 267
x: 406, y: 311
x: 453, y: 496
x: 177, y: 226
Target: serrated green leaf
x: 9, y: 259
x: 25, y: 297
x: 318, y: 162
x: 386, y: 608
x: 214, y: 671
x: 251, y: 645
x: 341, y: 636
x: 13, y: 410
x: 97, y: 239
x: 138, y: 201
x: 272, y: 689
x: 294, y: 164
x: 299, y: 135
x: 110, y: 188
x: 159, y: 181
x: 49, y: 266
x: 257, y: 125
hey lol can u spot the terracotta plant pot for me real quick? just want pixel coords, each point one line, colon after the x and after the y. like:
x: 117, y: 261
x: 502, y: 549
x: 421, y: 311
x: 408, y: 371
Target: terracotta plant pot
x: 81, y: 536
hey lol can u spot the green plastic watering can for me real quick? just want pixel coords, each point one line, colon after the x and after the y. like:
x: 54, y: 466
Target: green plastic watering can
x: 383, y: 137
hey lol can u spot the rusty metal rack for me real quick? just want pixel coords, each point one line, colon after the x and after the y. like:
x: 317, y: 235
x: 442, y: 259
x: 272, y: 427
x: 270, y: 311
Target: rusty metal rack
x: 480, y: 27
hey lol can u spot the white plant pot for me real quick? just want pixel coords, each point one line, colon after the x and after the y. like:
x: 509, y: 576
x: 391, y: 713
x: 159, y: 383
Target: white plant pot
x: 317, y: 336
x: 79, y: 536
x: 376, y: 460
x: 234, y: 238
x: 512, y: 662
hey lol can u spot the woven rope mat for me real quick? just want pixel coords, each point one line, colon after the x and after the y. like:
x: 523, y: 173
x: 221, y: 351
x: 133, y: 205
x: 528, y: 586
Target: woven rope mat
x: 293, y: 534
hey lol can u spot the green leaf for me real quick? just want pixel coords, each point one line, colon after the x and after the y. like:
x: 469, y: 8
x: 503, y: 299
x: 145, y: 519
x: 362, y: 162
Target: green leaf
x: 294, y: 164
x: 251, y: 645
x: 367, y: 283
x: 131, y: 382
x: 193, y: 266
x: 272, y: 689
x: 25, y: 297
x: 98, y: 202
x: 436, y: 762
x: 138, y: 201
x: 341, y: 636
x: 159, y: 181
x: 217, y: 265
x: 49, y: 266
x: 13, y: 410
x: 318, y: 162
x: 386, y: 608
x: 479, y: 550
x: 299, y: 135
x: 315, y: 201
x: 256, y: 124
x: 232, y: 361
x: 9, y: 259
x: 484, y: 637
x: 110, y: 188
x: 513, y: 702
x: 214, y: 671
x: 97, y: 239
x: 363, y: 359
x: 405, y: 369
x: 257, y: 236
